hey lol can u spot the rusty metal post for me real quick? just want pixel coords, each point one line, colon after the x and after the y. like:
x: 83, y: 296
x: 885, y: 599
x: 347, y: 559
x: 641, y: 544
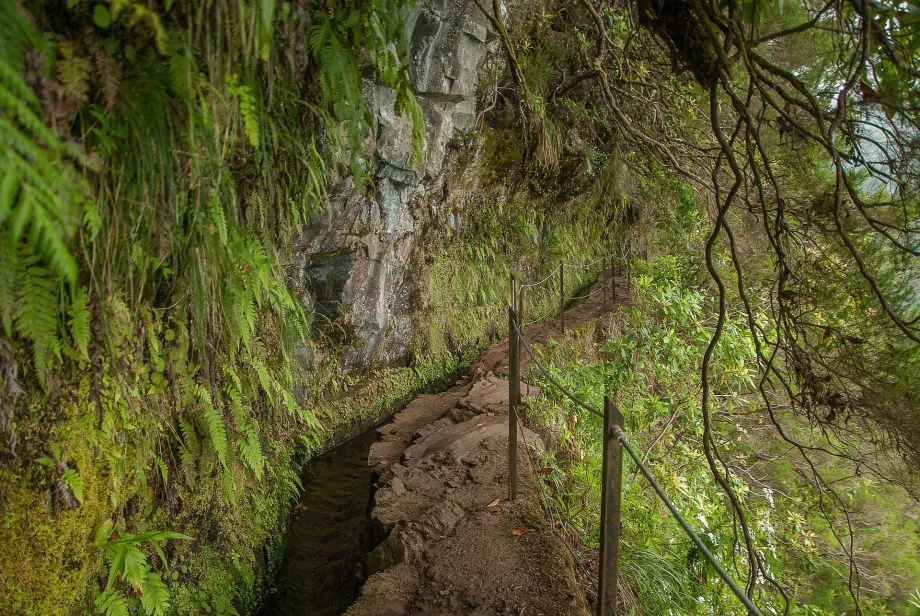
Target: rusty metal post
x: 628, y: 263
x: 604, y: 282
x: 514, y: 391
x: 562, y: 297
x: 611, y: 494
x: 520, y: 310
x: 613, y: 279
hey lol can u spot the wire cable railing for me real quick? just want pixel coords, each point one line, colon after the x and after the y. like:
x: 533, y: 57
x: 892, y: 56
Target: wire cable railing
x: 615, y: 441
x: 539, y: 282
x: 620, y: 436
x: 550, y: 378
x: 541, y: 317
x: 584, y: 265
x: 563, y: 298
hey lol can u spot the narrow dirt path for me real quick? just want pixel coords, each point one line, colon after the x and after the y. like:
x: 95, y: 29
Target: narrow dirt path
x: 452, y: 544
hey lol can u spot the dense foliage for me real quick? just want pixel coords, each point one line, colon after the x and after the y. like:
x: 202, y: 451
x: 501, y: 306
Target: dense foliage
x: 156, y: 164
x: 794, y: 128
x: 160, y: 158
x: 648, y: 361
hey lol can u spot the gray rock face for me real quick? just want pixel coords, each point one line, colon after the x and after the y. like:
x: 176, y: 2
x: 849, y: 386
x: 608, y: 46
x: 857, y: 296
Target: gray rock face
x: 354, y: 260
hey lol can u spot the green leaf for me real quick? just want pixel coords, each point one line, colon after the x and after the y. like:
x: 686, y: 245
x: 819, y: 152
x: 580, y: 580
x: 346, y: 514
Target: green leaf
x: 9, y: 188
x: 112, y: 604
x: 80, y: 321
x: 251, y: 451
x: 102, y: 535
x: 45, y: 462
x: 75, y: 482
x: 101, y: 16
x: 91, y: 220
x: 217, y: 432
x: 135, y: 565
x: 115, y: 567
x: 155, y: 597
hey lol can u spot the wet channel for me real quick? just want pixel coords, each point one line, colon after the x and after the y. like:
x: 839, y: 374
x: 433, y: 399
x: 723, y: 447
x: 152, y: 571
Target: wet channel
x: 320, y: 573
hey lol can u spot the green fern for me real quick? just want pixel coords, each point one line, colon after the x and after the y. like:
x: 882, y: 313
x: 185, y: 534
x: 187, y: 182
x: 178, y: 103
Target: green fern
x: 73, y: 480
x: 153, y: 204
x: 128, y: 565
x: 248, y: 109
x: 112, y: 603
x: 214, y: 422
x: 79, y: 322
x: 155, y: 597
x: 36, y: 313
x: 251, y: 451
x: 218, y: 218
x: 38, y: 191
x: 189, y: 452
x: 8, y: 277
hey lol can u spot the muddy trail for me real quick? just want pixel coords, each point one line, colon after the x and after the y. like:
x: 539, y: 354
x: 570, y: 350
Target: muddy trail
x: 450, y: 541
x: 426, y: 493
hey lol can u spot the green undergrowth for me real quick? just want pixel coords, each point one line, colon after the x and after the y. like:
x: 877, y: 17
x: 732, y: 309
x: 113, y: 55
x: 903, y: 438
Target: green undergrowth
x: 506, y: 225
x: 158, y: 161
x: 155, y: 407
x: 646, y: 357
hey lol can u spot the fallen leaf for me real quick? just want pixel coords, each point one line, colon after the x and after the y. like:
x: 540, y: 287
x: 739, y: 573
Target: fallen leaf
x: 517, y: 532
x: 545, y: 470
x: 495, y: 502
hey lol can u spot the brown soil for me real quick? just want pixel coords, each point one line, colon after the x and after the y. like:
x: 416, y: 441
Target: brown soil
x: 452, y: 543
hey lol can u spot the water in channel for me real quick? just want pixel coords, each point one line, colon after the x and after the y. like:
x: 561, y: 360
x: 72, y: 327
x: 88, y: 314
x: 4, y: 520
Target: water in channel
x: 326, y: 542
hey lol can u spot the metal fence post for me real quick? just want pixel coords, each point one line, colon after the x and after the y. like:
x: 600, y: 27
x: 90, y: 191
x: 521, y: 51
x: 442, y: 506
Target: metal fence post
x: 520, y: 310
x: 562, y: 296
x: 604, y: 282
x: 514, y: 391
x: 628, y: 263
x: 613, y: 281
x: 610, y: 511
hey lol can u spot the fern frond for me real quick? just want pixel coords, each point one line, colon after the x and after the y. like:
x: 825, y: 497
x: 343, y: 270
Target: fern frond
x: 164, y: 470
x: 73, y: 72
x: 36, y: 315
x: 108, y: 73
x: 8, y: 276
x: 112, y: 603
x: 155, y: 595
x: 189, y: 451
x: 229, y: 487
x: 217, y: 432
x: 73, y: 480
x: 218, y: 218
x: 251, y: 451
x: 79, y: 322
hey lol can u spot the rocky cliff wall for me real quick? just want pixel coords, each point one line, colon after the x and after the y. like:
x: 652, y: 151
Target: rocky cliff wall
x: 356, y: 259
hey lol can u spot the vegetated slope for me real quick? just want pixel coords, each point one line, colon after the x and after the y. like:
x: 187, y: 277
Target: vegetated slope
x: 204, y: 282
x: 647, y: 357
x: 218, y: 217
x: 752, y: 134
